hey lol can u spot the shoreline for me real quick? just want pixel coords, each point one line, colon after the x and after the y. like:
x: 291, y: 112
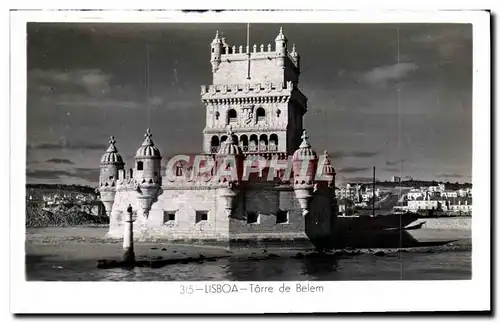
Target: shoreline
x: 86, y: 244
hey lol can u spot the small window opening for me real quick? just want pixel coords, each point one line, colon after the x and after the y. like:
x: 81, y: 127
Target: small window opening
x: 252, y: 217
x: 140, y: 165
x: 201, y: 216
x: 168, y: 216
x: 282, y: 216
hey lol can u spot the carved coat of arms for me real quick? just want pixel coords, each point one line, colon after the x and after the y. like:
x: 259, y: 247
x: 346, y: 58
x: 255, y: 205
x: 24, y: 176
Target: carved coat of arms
x: 248, y: 114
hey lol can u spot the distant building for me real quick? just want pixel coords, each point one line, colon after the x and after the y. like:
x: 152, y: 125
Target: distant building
x: 396, y: 179
x: 449, y: 194
x: 415, y: 194
x: 445, y: 204
x: 459, y: 205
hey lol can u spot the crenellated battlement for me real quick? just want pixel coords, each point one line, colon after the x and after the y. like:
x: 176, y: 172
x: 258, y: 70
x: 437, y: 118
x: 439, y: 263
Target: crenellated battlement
x: 258, y: 62
x: 256, y: 52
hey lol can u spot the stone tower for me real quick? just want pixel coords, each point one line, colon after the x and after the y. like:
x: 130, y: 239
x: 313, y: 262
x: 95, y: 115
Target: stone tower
x: 255, y: 91
x: 147, y: 173
x: 110, y: 165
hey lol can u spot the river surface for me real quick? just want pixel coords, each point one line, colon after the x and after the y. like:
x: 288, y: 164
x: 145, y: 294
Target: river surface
x: 401, y: 266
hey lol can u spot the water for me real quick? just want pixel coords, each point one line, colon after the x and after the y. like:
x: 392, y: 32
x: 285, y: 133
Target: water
x: 403, y: 266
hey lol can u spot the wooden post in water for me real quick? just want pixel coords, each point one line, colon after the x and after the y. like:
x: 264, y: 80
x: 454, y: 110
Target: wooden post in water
x: 128, y: 238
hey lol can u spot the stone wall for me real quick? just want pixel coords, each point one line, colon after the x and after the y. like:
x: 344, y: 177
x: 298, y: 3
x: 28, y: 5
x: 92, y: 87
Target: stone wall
x: 266, y: 203
x: 178, y: 215
x: 263, y: 68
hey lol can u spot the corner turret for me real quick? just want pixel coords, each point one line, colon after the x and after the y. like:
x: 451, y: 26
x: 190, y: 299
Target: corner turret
x: 304, y: 169
x: 281, y: 48
x: 111, y: 163
x: 147, y: 172
x: 295, y: 57
x: 216, y: 52
x: 229, y: 164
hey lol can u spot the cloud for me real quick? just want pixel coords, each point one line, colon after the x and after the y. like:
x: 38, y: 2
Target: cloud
x: 449, y: 175
x: 59, y: 161
x: 394, y: 162
x: 88, y: 174
x: 339, y: 154
x: 353, y: 169
x: 452, y: 43
x: 93, y: 81
x: 383, y: 74
x: 65, y: 144
x: 392, y: 169
x: 47, y: 174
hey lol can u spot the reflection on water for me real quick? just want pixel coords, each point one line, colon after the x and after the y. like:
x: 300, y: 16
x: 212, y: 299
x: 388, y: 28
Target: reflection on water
x: 408, y: 266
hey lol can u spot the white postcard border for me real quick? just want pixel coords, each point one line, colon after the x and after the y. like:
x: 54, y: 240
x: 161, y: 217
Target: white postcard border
x: 164, y: 297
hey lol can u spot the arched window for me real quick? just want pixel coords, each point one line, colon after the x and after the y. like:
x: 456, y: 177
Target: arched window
x: 263, y: 142
x: 231, y: 116
x: 273, y: 142
x: 244, y: 142
x: 223, y: 138
x: 261, y: 114
x: 214, y: 144
x: 253, y: 144
x: 140, y: 165
x: 235, y: 139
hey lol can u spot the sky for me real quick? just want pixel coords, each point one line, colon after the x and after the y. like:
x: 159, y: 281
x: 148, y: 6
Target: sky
x: 394, y: 96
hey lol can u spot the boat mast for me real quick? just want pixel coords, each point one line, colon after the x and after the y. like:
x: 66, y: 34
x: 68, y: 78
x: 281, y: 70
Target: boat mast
x: 373, y: 188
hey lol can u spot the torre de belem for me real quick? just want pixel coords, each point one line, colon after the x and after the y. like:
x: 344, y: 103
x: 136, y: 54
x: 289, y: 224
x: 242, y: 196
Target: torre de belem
x: 254, y: 113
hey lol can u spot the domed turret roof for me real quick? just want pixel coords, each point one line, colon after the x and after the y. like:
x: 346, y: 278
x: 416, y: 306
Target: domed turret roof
x: 216, y: 40
x: 148, y: 148
x: 281, y: 36
x: 304, y: 151
x: 327, y: 166
x: 111, y: 156
x: 228, y: 147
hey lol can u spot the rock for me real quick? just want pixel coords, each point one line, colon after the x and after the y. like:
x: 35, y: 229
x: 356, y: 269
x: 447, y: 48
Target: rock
x: 164, y: 249
x: 299, y: 255
x: 379, y: 253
